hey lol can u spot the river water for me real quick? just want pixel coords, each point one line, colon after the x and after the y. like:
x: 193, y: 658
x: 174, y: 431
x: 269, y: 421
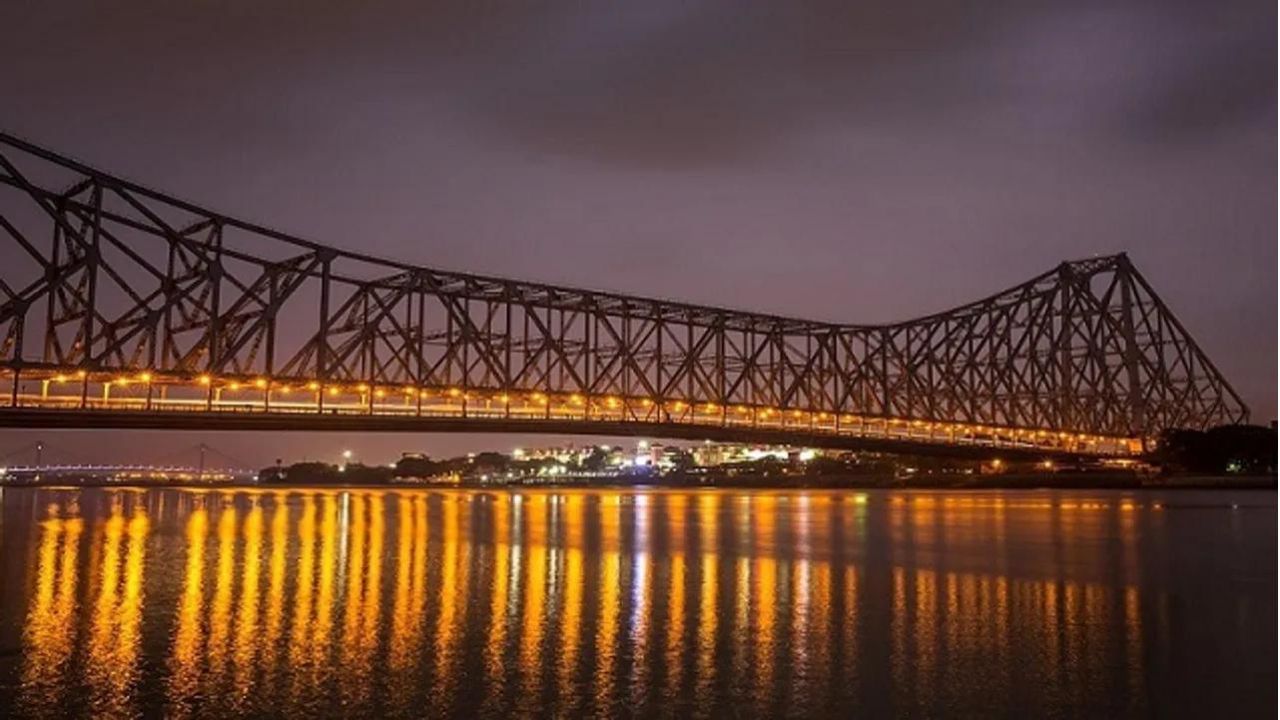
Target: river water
x: 394, y: 603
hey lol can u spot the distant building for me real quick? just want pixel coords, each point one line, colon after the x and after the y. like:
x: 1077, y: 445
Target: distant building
x: 716, y: 454
x: 713, y: 454
x: 568, y: 454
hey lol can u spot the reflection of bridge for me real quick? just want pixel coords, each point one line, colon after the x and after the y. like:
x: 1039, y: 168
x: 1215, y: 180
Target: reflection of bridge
x: 121, y: 306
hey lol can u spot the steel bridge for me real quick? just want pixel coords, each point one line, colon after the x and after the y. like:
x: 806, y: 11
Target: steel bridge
x: 121, y: 306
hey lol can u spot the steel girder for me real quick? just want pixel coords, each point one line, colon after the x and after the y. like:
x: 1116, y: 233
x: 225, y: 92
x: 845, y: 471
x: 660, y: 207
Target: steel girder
x: 100, y: 274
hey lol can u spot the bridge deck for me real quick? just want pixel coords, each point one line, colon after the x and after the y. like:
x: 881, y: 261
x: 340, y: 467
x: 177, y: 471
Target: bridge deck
x: 46, y: 400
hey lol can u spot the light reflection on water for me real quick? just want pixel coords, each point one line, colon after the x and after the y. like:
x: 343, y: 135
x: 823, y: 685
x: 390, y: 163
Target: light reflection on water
x: 405, y: 602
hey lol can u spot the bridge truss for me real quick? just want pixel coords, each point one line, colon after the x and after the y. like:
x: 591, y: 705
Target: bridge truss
x: 116, y: 298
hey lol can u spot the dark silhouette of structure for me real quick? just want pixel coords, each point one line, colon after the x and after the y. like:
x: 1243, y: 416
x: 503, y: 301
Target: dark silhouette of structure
x: 1243, y: 449
x: 122, y: 306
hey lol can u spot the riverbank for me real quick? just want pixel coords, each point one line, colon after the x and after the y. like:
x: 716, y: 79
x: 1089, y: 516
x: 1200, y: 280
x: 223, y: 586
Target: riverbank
x: 1039, y: 481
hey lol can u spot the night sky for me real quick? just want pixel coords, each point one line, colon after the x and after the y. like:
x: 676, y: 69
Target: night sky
x: 845, y: 161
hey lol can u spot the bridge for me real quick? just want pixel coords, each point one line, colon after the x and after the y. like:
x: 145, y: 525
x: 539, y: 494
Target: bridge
x: 121, y: 306
x: 119, y: 473
x: 40, y: 463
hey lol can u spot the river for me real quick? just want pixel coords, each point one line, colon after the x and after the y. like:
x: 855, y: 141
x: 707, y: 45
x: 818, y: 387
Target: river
x: 121, y: 602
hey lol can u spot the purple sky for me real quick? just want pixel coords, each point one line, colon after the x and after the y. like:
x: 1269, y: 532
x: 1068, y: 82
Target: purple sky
x: 843, y: 161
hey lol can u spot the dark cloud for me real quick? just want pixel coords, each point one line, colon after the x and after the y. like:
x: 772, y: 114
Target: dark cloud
x: 1230, y: 83
x: 675, y: 84
x: 672, y: 83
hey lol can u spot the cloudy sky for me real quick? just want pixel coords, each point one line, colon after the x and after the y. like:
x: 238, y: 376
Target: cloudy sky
x: 857, y: 162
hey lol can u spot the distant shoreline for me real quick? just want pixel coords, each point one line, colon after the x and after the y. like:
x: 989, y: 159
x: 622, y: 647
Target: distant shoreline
x: 940, y: 482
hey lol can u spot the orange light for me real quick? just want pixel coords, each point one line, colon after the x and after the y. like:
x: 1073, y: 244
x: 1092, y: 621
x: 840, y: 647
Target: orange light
x: 313, y: 386
x: 60, y: 378
x: 234, y: 386
x: 380, y: 393
x: 333, y: 390
x: 283, y: 389
x: 145, y: 377
x: 205, y: 380
x: 260, y: 383
x: 454, y: 392
x: 362, y: 387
